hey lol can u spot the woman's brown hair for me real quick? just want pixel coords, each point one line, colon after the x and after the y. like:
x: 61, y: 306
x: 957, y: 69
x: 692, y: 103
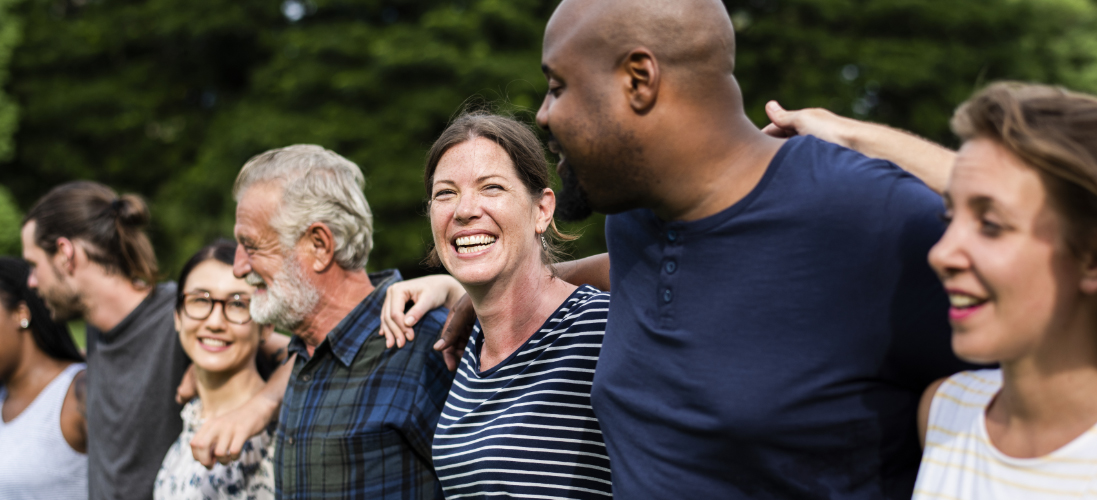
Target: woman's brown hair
x: 1054, y: 131
x: 109, y: 227
x: 525, y: 151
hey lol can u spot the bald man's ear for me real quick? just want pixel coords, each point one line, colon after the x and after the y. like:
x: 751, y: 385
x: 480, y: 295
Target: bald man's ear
x: 642, y: 72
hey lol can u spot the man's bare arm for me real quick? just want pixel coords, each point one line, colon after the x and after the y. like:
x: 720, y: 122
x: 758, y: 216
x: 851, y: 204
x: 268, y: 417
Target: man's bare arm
x: 222, y: 438
x: 924, y: 159
x: 593, y: 271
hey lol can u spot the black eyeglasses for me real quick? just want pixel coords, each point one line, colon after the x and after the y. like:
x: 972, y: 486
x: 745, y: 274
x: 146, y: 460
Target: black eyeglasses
x: 199, y: 306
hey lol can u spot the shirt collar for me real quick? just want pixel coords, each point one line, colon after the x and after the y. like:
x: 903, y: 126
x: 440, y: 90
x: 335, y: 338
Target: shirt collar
x: 347, y: 338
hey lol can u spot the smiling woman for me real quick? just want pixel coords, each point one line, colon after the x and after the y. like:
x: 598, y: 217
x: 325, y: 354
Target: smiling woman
x: 518, y: 421
x: 1019, y: 262
x: 217, y: 332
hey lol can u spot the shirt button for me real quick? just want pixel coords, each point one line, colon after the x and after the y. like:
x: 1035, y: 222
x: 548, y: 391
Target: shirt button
x: 667, y: 295
x: 306, y: 377
x: 672, y: 235
x: 289, y: 440
x: 670, y: 266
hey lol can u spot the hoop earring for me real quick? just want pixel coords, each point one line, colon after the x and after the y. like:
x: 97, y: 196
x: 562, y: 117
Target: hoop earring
x: 24, y: 323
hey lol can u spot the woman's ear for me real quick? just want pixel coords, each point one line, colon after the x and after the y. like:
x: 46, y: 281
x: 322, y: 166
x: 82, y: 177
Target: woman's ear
x: 22, y: 315
x: 546, y: 206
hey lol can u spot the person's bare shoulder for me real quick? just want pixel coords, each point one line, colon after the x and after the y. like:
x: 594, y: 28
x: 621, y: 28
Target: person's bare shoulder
x: 74, y: 413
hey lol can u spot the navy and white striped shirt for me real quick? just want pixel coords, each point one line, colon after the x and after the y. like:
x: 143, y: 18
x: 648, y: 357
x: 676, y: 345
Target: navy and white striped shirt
x: 525, y: 428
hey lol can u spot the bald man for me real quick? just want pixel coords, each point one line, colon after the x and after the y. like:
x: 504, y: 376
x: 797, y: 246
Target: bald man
x: 773, y: 319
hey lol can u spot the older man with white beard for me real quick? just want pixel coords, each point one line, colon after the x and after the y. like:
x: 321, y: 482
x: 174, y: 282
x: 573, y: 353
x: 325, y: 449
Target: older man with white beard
x: 357, y: 420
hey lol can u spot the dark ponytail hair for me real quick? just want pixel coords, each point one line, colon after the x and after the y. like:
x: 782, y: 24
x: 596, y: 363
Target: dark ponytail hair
x: 51, y: 337
x: 111, y: 227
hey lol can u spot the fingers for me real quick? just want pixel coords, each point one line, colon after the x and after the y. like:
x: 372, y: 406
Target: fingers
x: 187, y: 387
x: 392, y: 316
x: 778, y: 115
x: 458, y: 323
x: 201, y: 448
x: 775, y: 131
x: 234, y: 448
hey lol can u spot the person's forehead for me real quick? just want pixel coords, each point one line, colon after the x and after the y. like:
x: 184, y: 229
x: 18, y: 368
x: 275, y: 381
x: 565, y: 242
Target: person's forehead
x: 473, y: 159
x: 216, y: 277
x: 566, y: 32
x: 986, y: 169
x: 257, y: 204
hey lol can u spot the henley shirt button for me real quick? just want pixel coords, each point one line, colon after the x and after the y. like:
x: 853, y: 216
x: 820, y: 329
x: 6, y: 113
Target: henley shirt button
x: 671, y: 266
x: 667, y: 295
x: 289, y: 440
x: 306, y: 377
x: 672, y: 235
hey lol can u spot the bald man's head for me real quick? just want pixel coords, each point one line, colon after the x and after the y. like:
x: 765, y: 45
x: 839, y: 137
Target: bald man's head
x: 692, y: 38
x: 626, y: 79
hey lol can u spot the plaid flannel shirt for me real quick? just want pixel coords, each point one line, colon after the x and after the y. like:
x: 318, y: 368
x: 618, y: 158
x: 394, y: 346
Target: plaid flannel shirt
x: 357, y: 420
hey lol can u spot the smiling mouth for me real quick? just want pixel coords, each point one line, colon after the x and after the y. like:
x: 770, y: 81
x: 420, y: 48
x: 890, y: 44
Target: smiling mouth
x: 208, y: 342
x: 473, y: 244
x: 963, y: 301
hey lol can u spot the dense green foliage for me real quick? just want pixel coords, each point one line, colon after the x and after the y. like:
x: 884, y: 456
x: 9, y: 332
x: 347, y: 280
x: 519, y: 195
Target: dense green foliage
x: 169, y: 99
x: 9, y: 225
x: 10, y: 30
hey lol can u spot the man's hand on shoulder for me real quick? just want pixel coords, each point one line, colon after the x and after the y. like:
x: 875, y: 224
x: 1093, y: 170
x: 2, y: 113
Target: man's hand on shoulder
x: 221, y: 439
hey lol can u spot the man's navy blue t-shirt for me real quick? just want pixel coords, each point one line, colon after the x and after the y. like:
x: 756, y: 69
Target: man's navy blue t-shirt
x: 779, y: 348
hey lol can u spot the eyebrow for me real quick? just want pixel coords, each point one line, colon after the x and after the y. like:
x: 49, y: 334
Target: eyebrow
x: 981, y: 203
x: 230, y: 294
x: 478, y: 179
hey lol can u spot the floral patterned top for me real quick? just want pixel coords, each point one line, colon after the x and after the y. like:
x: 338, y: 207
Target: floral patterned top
x: 181, y: 477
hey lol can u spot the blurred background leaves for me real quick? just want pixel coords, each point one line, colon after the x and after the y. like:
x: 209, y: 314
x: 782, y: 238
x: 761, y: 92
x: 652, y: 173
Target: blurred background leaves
x: 168, y: 99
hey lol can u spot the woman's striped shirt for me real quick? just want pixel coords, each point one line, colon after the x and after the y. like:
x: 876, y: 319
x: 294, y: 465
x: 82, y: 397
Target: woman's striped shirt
x: 960, y: 462
x: 525, y: 428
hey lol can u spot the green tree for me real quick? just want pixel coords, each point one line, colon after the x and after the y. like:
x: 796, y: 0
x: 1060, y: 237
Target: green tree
x: 10, y: 31
x: 168, y: 99
x: 9, y: 225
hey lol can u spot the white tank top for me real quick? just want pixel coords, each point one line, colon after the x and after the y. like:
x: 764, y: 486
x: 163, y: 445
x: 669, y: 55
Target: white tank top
x: 36, y: 463
x: 960, y: 462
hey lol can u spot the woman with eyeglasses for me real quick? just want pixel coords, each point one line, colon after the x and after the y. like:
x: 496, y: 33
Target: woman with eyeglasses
x: 217, y: 333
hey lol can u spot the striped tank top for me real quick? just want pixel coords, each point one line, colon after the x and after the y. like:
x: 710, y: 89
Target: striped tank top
x: 525, y: 428
x: 960, y: 462
x: 36, y: 463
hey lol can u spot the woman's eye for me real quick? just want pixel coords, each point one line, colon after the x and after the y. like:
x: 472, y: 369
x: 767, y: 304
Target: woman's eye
x: 199, y: 301
x: 945, y: 217
x: 493, y: 187
x: 443, y: 194
x: 239, y: 304
x: 989, y: 228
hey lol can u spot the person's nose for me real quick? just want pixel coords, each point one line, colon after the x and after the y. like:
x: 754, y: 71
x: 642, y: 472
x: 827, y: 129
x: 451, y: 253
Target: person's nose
x: 241, y: 263
x: 32, y: 280
x: 542, y: 112
x: 216, y: 320
x: 948, y: 256
x: 468, y: 208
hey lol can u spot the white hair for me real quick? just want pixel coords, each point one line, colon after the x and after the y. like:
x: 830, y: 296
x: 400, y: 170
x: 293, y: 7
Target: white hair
x: 317, y: 186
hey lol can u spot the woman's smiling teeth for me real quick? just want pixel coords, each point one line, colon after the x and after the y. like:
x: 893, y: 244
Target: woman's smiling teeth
x: 964, y: 301
x: 213, y: 342
x: 475, y: 243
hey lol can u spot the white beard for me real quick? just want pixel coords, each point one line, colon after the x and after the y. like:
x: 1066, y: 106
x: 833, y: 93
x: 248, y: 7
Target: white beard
x: 288, y: 300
